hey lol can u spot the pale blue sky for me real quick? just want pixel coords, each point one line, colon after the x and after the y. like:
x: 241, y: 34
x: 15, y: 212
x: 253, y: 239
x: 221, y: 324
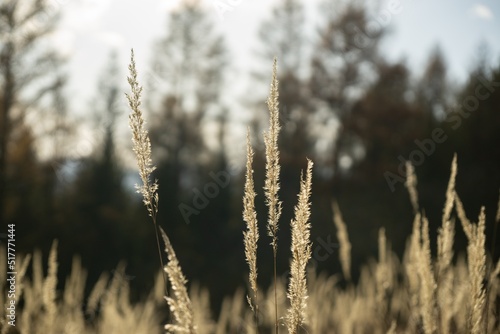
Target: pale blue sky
x: 457, y: 26
x: 91, y: 28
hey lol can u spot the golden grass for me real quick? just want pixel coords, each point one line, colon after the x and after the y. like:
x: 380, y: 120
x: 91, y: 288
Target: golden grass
x: 301, y: 254
x: 445, y: 293
x: 272, y: 182
x: 251, y: 236
x: 343, y: 238
x: 180, y: 303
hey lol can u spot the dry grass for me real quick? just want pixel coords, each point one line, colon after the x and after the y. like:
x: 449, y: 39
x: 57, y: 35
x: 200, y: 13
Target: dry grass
x: 141, y: 143
x: 272, y: 182
x: 46, y: 310
x: 343, y: 238
x: 251, y: 236
x: 445, y: 293
x: 180, y: 304
x: 411, y: 186
x: 301, y: 254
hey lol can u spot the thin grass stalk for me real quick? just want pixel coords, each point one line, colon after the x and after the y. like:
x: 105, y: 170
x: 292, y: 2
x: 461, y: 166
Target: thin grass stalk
x: 142, y: 150
x: 476, y: 257
x: 271, y: 186
x: 412, y: 261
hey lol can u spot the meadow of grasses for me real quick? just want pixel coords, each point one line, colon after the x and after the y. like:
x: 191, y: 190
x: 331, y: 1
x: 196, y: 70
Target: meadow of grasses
x: 423, y: 292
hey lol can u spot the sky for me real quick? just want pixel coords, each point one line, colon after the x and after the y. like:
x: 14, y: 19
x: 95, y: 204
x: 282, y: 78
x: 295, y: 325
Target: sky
x: 90, y: 29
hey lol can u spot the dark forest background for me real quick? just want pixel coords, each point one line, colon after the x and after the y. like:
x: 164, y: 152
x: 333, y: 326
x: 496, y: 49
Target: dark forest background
x: 356, y: 114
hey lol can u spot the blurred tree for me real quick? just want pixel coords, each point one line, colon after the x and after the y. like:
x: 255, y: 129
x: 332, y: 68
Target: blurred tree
x: 344, y: 65
x: 28, y: 72
x: 283, y: 36
x: 185, y: 87
x: 433, y: 93
x: 107, y: 171
x: 475, y: 109
x: 433, y: 97
x: 385, y: 123
x: 99, y: 208
x: 472, y: 127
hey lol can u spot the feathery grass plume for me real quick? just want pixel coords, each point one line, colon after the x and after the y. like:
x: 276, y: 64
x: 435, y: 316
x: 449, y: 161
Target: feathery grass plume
x: 75, y: 284
x: 428, y: 282
x: 446, y: 234
x: 142, y: 150
x: 411, y: 185
x: 445, y: 295
x: 49, y: 288
x: 343, y: 238
x: 476, y: 257
x: 251, y: 235
x: 96, y: 295
x: 180, y: 304
x: 301, y: 253
x: 411, y: 265
x: 272, y: 185
x: 21, y: 273
x: 200, y: 301
x: 413, y: 251
x: 141, y: 143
